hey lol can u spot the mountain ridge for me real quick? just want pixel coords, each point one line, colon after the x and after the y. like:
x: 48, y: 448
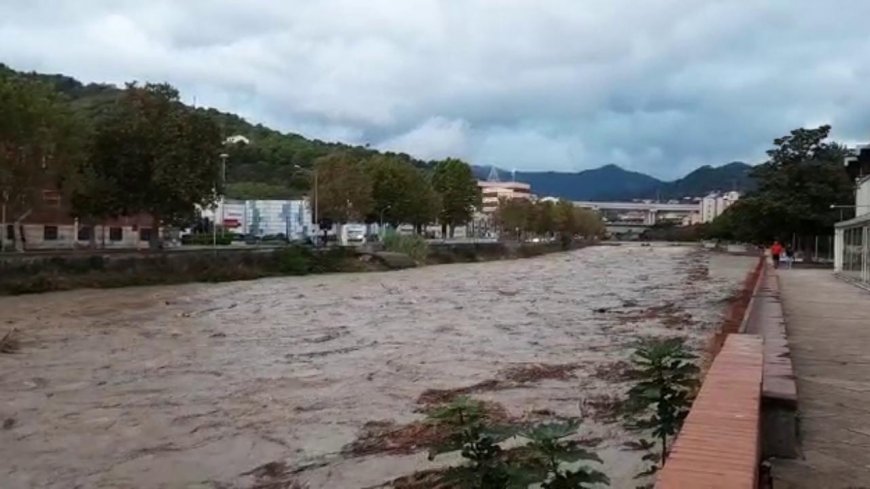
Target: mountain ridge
x: 612, y: 182
x: 269, y: 167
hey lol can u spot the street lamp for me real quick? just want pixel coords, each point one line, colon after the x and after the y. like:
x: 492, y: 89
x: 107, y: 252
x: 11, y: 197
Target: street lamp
x: 223, y: 157
x: 841, y: 207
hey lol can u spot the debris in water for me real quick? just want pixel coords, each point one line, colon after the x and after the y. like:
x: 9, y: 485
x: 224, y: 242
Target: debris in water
x: 387, y: 437
x: 9, y: 344
x: 273, y: 475
x: 510, y: 378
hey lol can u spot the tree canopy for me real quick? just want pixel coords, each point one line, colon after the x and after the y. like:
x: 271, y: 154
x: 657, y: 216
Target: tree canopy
x: 344, y: 190
x: 460, y: 195
x: 151, y: 154
x: 519, y: 218
x: 39, y: 142
x: 803, y: 176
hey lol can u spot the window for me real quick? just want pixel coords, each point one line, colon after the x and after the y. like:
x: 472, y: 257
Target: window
x: 145, y: 234
x: 51, y: 198
x: 49, y: 233
x: 10, y: 232
x: 116, y: 234
x: 85, y: 233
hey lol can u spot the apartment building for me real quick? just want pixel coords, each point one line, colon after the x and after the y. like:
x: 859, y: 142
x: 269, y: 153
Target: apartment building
x: 714, y: 204
x: 48, y: 225
x: 492, y: 192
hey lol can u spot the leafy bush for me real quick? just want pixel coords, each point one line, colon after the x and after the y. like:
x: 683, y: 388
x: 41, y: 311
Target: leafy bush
x: 205, y: 239
x: 412, y: 245
x: 294, y: 260
x: 660, y: 400
x: 541, y: 461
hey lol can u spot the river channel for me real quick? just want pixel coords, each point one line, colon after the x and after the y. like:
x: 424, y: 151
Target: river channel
x: 200, y: 385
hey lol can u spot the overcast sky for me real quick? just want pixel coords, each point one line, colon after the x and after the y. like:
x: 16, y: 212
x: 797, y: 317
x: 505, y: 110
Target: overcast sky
x: 660, y: 86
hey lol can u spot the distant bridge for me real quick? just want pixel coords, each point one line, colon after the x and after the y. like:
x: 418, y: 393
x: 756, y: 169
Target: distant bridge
x: 637, y: 206
x: 650, y: 209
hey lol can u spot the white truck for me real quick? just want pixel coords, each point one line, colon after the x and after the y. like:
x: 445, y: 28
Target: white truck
x: 353, y: 234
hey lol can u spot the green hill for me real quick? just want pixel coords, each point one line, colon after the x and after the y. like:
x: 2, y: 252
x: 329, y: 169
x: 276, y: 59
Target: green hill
x: 273, y: 166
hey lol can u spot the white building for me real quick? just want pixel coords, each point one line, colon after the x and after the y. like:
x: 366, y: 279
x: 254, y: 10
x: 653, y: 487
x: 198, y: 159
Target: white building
x: 238, y: 139
x: 291, y: 218
x: 852, y: 238
x: 714, y: 204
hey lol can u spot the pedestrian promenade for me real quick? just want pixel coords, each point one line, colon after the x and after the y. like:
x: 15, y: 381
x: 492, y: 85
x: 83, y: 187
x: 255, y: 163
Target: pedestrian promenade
x: 828, y: 324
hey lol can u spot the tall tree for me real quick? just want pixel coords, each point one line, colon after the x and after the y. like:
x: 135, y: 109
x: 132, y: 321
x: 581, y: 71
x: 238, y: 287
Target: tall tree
x: 344, y: 190
x: 460, y: 195
x: 39, y: 143
x: 803, y: 176
x: 396, y: 185
x: 425, y: 207
x: 153, y: 155
x: 514, y: 217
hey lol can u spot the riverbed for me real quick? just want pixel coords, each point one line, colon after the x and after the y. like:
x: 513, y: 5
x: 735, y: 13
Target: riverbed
x: 200, y: 385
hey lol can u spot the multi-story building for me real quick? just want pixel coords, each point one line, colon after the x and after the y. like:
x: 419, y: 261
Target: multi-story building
x: 492, y: 192
x: 714, y: 204
x: 291, y: 218
x: 49, y: 225
x: 852, y: 237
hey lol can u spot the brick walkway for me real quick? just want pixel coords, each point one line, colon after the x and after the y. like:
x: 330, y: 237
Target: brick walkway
x: 828, y: 325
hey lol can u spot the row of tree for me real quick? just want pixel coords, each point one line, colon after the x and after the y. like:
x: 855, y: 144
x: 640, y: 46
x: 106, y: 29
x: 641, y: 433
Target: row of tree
x: 392, y: 190
x: 797, y: 186
x: 148, y: 153
x: 523, y: 218
x: 145, y: 154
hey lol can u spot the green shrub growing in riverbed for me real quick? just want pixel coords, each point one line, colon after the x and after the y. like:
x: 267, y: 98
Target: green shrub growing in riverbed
x: 660, y: 400
x: 543, y: 460
x: 412, y: 245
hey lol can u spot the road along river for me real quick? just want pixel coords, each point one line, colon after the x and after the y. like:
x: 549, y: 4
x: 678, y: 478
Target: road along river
x: 318, y: 378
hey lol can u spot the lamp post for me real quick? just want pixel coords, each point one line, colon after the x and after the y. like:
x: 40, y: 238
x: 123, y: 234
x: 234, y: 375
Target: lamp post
x: 842, y: 206
x: 4, y: 197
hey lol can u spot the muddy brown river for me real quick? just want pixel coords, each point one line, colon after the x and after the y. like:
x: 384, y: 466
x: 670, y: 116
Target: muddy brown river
x: 196, y: 386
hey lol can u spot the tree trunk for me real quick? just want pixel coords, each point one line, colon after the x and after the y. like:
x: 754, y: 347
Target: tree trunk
x: 155, y: 243
x: 92, y: 239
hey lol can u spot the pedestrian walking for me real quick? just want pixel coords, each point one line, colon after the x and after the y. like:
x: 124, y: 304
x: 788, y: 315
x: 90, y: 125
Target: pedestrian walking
x: 789, y: 256
x: 776, y: 253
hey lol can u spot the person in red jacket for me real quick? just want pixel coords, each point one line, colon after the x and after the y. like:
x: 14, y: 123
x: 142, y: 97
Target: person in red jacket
x: 775, y: 253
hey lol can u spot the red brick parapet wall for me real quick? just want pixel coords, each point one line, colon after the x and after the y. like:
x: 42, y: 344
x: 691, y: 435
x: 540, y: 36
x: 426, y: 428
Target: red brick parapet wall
x: 718, y: 446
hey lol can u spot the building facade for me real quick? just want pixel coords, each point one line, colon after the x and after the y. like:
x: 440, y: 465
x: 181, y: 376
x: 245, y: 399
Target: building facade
x: 492, y: 192
x: 290, y: 218
x: 852, y: 238
x: 49, y: 225
x: 714, y: 204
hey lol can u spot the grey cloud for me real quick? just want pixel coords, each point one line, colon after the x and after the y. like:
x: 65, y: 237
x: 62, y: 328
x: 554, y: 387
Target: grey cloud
x: 659, y: 86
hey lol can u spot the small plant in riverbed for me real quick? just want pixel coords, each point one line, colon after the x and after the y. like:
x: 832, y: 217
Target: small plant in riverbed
x: 549, y: 458
x: 660, y: 400
x: 551, y: 453
x: 469, y: 431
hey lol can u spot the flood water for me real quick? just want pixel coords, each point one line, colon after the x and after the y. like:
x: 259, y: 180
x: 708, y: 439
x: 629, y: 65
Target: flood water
x: 197, y: 385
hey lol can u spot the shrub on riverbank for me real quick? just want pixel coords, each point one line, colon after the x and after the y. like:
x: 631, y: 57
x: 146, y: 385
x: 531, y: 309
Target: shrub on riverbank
x: 412, y: 245
x: 26, y: 274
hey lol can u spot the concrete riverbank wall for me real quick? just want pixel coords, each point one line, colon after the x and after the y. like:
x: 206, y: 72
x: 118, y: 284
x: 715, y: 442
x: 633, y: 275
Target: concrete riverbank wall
x: 31, y: 273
